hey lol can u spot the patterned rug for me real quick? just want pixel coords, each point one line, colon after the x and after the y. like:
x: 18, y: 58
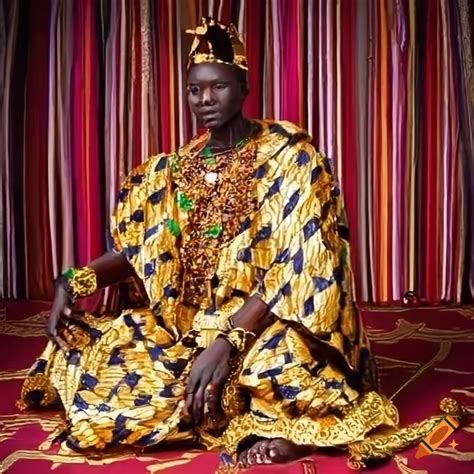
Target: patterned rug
x: 424, y: 354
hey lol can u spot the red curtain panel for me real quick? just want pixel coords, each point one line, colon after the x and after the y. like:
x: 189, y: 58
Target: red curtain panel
x: 91, y: 89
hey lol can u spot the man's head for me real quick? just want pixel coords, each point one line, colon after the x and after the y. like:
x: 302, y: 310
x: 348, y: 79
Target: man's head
x: 216, y: 93
x: 217, y: 73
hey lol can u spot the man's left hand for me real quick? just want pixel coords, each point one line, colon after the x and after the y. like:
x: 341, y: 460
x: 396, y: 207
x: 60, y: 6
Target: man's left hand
x: 206, y: 380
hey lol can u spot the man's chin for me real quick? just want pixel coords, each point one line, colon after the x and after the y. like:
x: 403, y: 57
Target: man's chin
x: 213, y: 124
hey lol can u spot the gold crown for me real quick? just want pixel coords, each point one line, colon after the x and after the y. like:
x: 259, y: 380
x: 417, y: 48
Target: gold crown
x: 217, y: 43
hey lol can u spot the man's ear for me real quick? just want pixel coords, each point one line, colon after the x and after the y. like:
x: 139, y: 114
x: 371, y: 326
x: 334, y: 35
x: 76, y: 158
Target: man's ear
x: 244, y: 89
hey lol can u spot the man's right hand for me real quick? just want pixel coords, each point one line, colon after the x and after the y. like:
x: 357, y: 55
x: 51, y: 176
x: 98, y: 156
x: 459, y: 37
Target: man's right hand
x: 110, y: 268
x: 61, y: 311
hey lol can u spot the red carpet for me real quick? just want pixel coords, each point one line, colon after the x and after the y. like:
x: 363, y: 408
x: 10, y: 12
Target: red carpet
x: 424, y: 355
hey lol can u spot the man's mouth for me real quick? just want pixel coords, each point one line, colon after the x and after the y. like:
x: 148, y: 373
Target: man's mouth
x: 209, y: 117
x: 208, y: 113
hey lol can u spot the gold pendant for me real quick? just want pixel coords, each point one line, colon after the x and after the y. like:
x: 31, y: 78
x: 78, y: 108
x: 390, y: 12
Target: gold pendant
x: 211, y: 177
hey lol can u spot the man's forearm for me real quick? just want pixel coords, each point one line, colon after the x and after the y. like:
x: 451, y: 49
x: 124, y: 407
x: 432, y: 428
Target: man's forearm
x: 111, y: 268
x: 254, y: 315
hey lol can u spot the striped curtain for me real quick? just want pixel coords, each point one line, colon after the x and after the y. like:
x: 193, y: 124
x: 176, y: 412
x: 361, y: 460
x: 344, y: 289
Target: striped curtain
x: 90, y: 88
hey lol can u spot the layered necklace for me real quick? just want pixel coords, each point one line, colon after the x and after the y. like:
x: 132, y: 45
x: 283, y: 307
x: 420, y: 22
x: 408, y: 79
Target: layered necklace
x: 216, y: 189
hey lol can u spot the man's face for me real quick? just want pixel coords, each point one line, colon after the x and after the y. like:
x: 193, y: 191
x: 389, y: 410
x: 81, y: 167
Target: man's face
x: 215, y: 94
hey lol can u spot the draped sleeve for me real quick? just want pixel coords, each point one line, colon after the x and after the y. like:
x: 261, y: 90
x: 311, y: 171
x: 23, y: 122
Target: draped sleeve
x: 145, y: 227
x: 299, y: 250
x: 127, y: 222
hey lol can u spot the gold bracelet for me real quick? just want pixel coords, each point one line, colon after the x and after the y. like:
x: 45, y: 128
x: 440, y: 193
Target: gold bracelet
x: 80, y: 281
x: 238, y: 338
x: 228, y: 325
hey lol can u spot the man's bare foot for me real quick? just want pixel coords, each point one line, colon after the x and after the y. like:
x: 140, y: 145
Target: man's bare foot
x: 278, y: 450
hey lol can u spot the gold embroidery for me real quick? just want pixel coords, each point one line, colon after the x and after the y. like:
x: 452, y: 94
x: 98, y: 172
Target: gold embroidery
x: 232, y: 401
x: 384, y: 443
x: 185, y: 458
x: 70, y: 457
x: 468, y: 391
x: 10, y: 424
x: 443, y: 351
x: 453, y: 371
x: 389, y: 363
x: 402, y: 464
x: 75, y: 336
x: 27, y: 327
x: 371, y: 411
x: 406, y: 330
x: 464, y: 311
x: 455, y: 454
x: 37, y: 383
x: 13, y: 374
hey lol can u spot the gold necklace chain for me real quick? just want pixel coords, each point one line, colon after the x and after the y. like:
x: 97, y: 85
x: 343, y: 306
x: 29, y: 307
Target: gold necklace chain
x: 215, y: 209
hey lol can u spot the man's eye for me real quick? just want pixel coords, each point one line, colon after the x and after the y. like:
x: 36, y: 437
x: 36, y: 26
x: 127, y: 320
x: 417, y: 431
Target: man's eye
x: 219, y: 86
x: 193, y: 89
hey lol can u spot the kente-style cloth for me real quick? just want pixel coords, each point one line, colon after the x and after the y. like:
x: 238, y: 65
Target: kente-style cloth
x: 124, y: 382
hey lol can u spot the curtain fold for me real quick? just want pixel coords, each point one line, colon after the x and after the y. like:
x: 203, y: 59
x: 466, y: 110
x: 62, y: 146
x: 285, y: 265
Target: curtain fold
x: 90, y: 89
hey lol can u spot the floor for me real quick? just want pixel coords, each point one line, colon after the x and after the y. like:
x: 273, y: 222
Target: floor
x: 424, y: 354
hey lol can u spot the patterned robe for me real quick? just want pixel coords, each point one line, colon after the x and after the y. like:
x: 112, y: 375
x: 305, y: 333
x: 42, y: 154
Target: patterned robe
x: 308, y: 377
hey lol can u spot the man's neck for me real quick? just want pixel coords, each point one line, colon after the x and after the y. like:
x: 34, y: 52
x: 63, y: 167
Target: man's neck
x: 229, y: 135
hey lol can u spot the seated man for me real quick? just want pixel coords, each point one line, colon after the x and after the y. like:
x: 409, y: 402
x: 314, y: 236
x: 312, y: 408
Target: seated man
x: 251, y: 341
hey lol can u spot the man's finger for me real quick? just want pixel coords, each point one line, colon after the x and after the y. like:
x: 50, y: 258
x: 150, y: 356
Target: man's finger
x: 216, y: 387
x: 53, y: 336
x: 214, y: 392
x: 75, y: 317
x: 198, y: 405
x: 62, y: 345
x: 189, y: 398
x: 68, y: 336
x: 213, y: 399
x: 51, y: 328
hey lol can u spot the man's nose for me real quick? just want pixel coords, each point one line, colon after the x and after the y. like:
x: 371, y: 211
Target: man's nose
x: 206, y: 97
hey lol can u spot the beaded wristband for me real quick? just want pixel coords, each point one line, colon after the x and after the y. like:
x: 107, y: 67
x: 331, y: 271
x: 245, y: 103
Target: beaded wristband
x: 80, y: 282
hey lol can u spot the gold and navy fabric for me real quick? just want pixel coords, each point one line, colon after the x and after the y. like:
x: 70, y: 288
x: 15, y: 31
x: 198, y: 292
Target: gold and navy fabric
x: 123, y: 383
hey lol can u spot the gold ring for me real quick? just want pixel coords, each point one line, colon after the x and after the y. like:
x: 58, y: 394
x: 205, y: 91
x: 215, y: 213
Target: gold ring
x: 211, y: 388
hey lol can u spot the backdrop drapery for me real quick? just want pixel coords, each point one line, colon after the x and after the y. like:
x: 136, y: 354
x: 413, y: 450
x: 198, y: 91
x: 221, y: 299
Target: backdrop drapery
x: 90, y: 88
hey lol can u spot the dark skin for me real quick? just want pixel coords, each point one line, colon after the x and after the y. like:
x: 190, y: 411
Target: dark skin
x: 110, y: 268
x: 216, y: 94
